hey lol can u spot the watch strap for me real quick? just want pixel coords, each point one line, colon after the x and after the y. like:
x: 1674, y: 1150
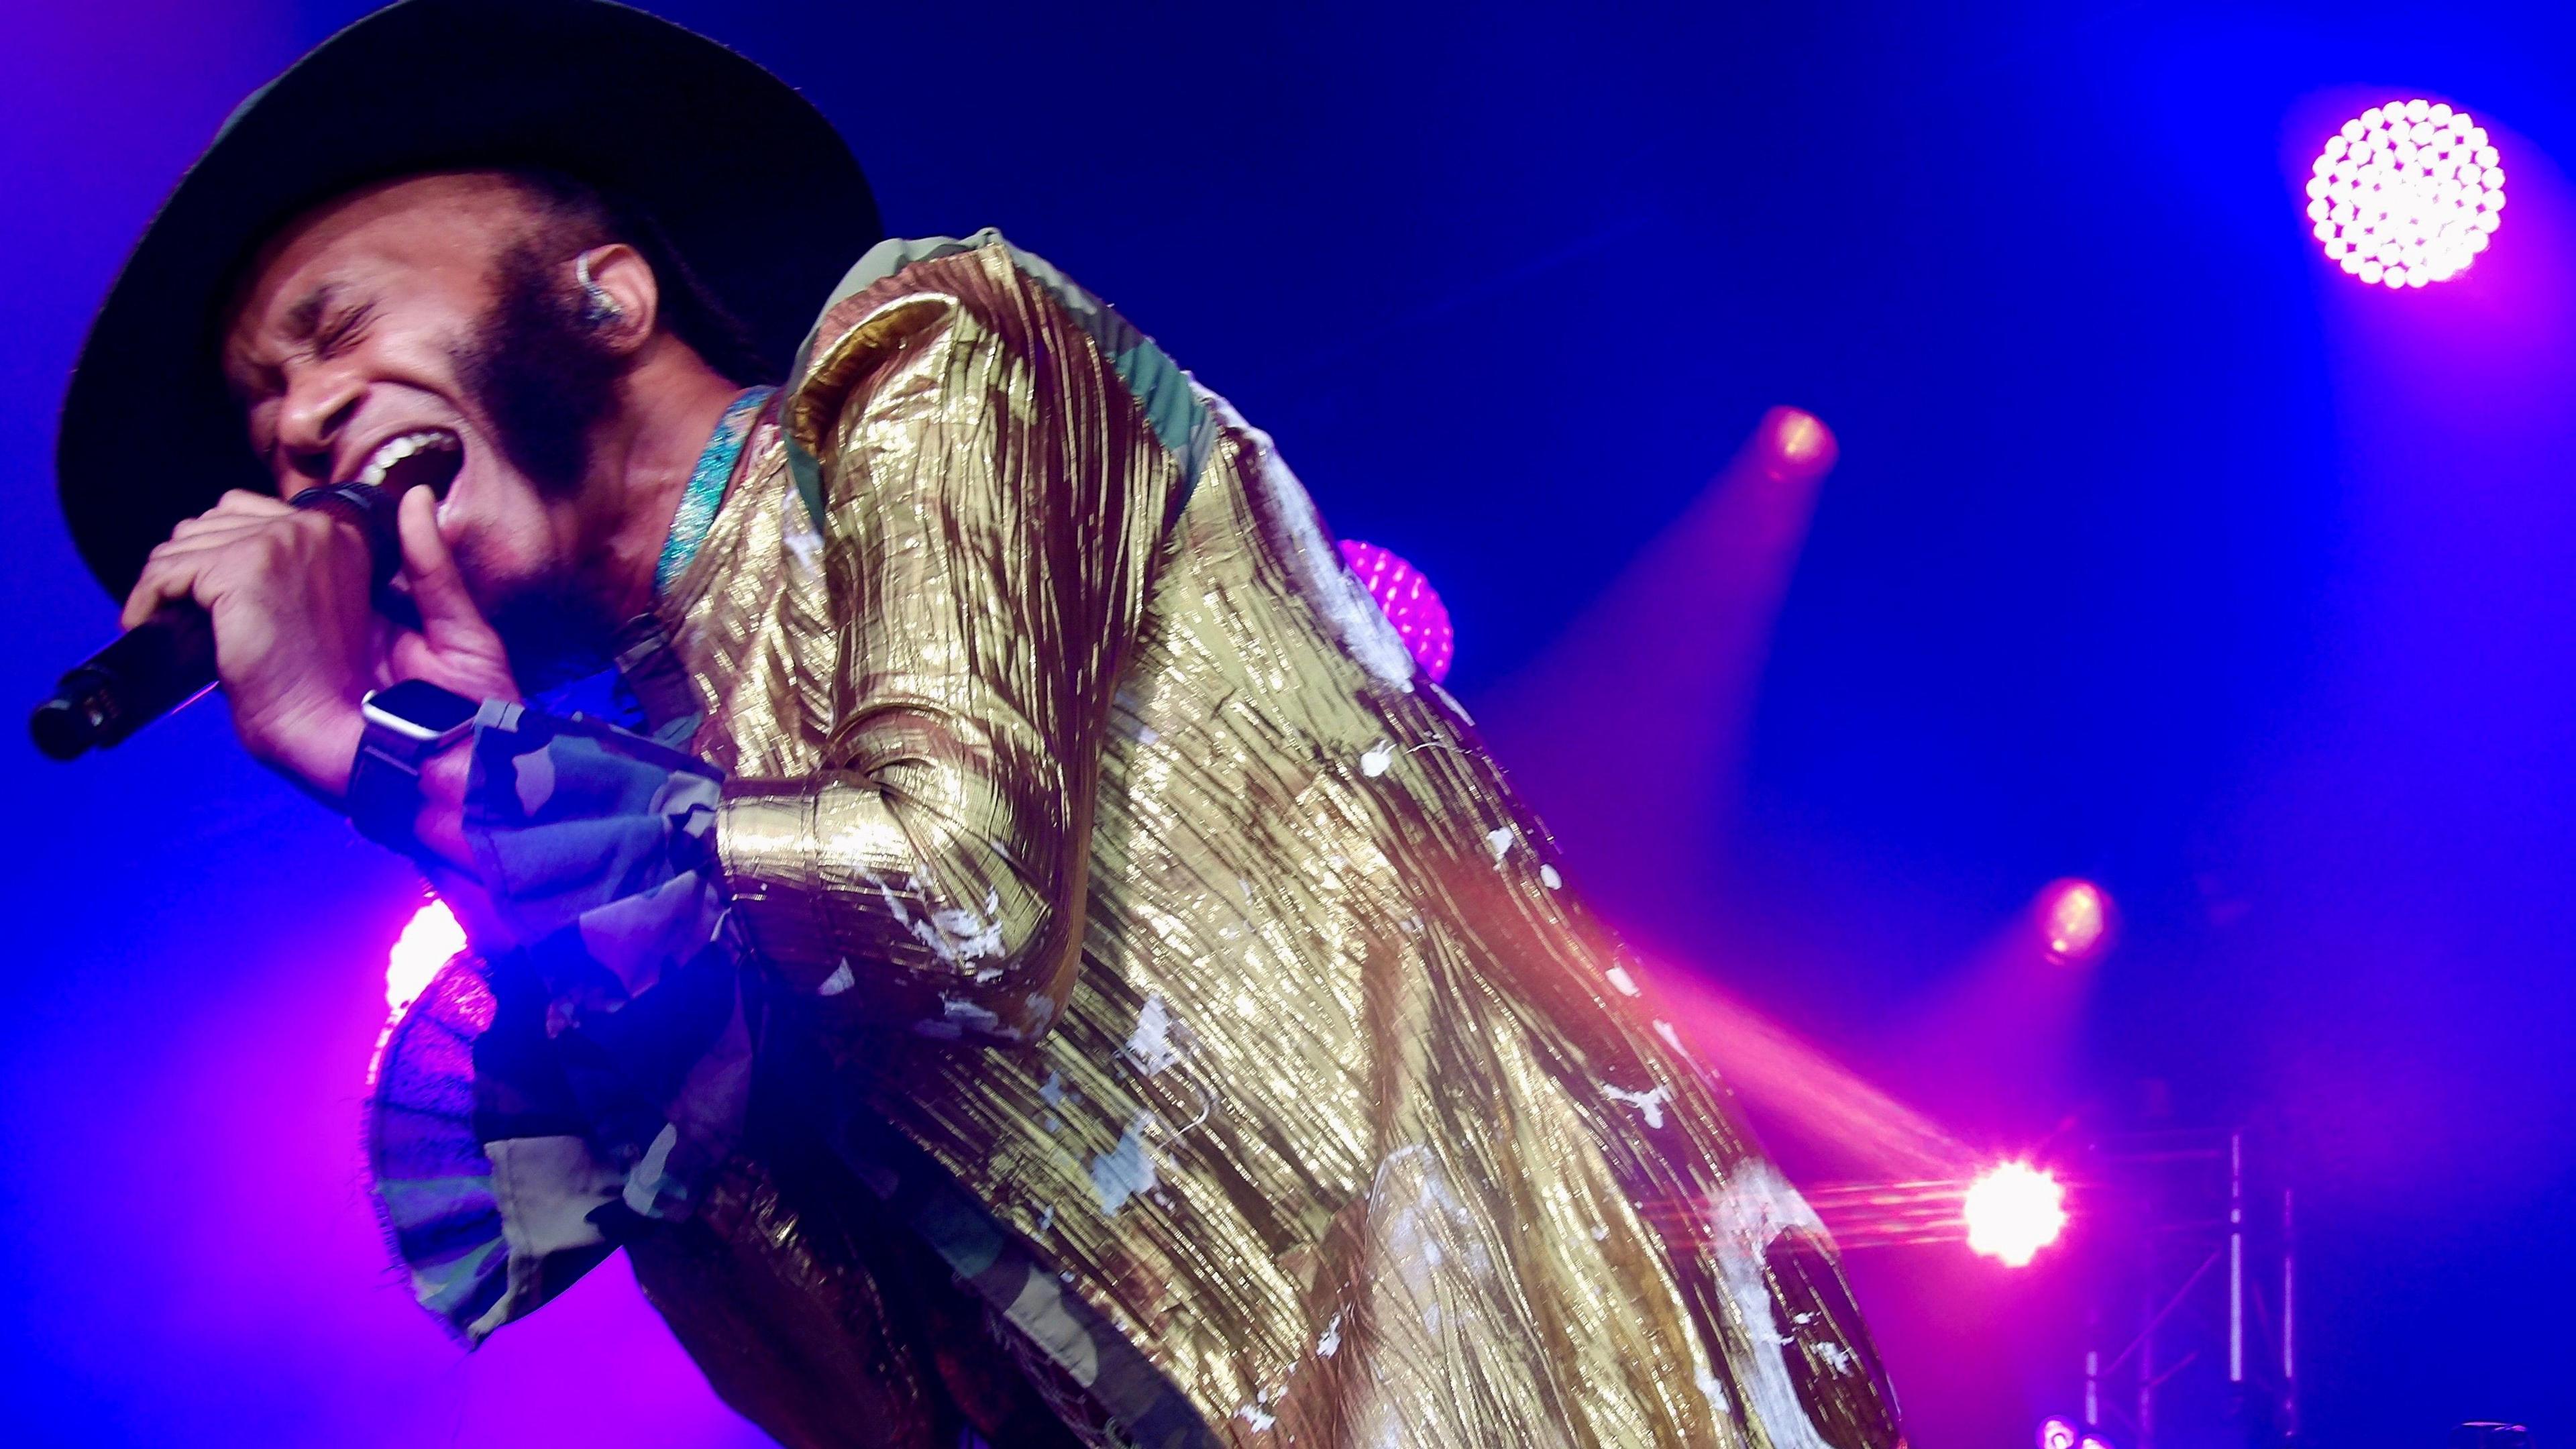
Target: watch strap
x: 384, y: 787
x: 384, y: 795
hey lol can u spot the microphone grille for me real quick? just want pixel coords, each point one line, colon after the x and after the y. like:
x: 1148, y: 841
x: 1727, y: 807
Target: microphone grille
x: 371, y: 510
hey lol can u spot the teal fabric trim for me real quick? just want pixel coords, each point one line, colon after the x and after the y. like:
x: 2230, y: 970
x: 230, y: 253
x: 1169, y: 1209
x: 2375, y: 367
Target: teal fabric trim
x: 1185, y: 426
x: 706, y: 490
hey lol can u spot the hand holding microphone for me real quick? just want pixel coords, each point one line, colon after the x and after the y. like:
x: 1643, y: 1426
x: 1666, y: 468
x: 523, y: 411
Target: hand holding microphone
x: 277, y: 601
x: 168, y: 654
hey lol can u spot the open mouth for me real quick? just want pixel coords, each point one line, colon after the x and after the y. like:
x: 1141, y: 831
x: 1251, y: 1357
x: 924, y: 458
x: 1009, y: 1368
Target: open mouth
x: 425, y: 458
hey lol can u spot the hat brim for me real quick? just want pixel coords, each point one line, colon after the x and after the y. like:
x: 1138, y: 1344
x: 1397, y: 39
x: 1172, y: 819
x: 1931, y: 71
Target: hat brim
x: 753, y: 187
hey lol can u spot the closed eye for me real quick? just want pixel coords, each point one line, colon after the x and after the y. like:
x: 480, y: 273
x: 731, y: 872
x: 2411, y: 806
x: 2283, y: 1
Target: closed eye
x: 343, y: 330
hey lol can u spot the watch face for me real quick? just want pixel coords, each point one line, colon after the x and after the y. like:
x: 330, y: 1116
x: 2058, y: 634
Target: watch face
x: 424, y: 705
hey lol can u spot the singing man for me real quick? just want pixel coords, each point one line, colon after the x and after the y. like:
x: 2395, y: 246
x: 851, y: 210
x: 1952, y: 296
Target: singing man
x: 965, y: 889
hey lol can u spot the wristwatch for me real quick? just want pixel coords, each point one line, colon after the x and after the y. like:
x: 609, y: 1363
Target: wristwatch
x: 406, y: 725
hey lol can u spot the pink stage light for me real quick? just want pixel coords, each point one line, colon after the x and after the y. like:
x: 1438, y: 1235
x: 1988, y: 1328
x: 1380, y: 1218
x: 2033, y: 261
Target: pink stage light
x: 1796, y: 445
x: 427, y: 943
x: 2074, y: 919
x: 2406, y: 194
x: 2013, y: 1211
x: 1420, y: 619
x: 2056, y: 1434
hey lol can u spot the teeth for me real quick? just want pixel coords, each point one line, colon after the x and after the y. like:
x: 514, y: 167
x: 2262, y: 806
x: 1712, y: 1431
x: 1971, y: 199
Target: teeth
x: 394, y: 450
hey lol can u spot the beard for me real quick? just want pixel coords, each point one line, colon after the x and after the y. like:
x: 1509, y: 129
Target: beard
x: 540, y: 374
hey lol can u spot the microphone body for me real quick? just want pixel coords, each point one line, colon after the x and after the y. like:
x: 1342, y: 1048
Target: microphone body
x: 169, y: 659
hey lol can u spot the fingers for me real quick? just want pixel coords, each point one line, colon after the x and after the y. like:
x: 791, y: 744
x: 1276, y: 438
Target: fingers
x: 173, y: 569
x: 167, y: 576
x: 244, y: 503
x: 176, y: 568
x: 206, y: 525
x: 455, y: 647
x: 437, y: 589
x: 218, y: 541
x: 237, y: 510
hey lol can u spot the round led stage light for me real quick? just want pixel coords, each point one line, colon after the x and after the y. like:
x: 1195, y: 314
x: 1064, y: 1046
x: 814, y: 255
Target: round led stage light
x: 2406, y: 194
x: 1409, y: 603
x: 427, y: 943
x: 2074, y: 919
x: 2013, y: 1211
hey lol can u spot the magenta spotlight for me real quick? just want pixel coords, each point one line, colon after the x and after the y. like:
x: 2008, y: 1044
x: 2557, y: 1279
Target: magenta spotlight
x: 2094, y: 1441
x: 2406, y: 194
x: 427, y: 943
x: 2056, y: 1434
x: 2013, y: 1211
x: 2074, y: 920
x: 1419, y: 617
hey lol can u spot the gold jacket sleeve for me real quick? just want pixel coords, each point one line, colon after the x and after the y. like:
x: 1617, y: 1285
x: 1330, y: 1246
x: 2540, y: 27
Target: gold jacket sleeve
x: 991, y: 504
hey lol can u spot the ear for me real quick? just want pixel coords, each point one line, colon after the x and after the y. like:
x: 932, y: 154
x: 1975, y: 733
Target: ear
x: 623, y: 300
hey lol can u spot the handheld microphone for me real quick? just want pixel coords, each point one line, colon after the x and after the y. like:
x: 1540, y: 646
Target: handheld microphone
x: 169, y: 659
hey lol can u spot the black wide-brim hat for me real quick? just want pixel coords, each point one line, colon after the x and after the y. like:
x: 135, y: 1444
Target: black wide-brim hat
x: 751, y: 185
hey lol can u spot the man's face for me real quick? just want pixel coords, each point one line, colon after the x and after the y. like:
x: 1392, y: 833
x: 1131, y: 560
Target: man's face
x: 409, y: 335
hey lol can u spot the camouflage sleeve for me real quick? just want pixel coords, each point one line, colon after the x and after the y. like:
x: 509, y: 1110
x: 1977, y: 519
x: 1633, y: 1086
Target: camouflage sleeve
x: 595, y: 1061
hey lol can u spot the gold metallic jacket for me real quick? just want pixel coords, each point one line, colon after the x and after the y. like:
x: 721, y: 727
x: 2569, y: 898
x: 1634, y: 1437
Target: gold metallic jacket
x: 1106, y: 838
